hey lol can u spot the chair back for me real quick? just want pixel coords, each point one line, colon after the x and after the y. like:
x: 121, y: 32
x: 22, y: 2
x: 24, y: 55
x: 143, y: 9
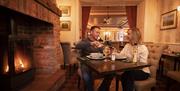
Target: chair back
x: 155, y: 52
x: 66, y: 48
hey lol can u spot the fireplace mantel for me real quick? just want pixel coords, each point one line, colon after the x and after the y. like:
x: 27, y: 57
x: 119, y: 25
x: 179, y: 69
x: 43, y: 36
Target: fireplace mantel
x: 49, y: 5
x: 41, y: 9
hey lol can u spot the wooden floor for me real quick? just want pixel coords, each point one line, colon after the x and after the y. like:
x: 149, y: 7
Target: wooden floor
x: 71, y: 85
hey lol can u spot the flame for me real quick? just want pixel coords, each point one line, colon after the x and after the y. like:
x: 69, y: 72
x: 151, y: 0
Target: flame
x: 7, y: 69
x: 5, y: 63
x: 21, y: 62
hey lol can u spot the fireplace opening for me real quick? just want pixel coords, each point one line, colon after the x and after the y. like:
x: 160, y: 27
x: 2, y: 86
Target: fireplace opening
x: 17, y: 35
x: 22, y: 57
x: 17, y: 65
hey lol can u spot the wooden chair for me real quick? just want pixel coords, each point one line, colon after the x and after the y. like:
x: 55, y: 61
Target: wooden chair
x: 95, y: 81
x: 70, y: 55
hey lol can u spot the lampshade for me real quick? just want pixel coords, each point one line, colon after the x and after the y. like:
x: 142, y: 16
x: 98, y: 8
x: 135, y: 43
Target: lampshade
x: 178, y: 8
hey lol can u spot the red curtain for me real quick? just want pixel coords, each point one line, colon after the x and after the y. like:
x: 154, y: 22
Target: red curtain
x: 131, y: 12
x: 85, y: 17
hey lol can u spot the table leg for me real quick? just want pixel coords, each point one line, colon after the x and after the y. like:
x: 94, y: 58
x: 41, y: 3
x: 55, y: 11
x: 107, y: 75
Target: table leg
x: 117, y: 83
x: 175, y: 64
x: 161, y: 66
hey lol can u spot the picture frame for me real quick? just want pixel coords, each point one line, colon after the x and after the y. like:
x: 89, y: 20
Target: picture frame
x: 169, y: 20
x: 66, y: 11
x: 65, y: 25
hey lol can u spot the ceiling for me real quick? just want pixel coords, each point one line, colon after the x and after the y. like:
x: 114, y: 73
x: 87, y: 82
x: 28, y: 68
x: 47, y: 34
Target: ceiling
x: 110, y: 2
x: 99, y: 14
x: 115, y: 9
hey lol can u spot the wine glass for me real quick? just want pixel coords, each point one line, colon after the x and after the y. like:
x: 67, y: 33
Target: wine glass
x: 106, y: 51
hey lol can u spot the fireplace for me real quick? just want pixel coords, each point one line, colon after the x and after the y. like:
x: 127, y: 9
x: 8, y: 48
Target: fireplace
x: 17, y: 63
x: 20, y: 51
x: 17, y: 35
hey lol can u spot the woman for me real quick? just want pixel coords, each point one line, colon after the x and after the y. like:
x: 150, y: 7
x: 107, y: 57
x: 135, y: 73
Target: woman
x: 134, y: 49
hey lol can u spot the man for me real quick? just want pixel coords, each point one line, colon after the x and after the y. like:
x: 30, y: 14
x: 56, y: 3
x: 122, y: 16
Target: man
x: 91, y: 43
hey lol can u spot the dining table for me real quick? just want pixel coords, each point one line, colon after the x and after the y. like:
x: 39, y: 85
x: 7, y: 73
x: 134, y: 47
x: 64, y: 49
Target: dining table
x: 105, y: 66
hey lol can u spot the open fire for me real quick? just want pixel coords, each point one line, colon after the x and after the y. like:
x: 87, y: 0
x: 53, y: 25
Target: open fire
x: 21, y: 62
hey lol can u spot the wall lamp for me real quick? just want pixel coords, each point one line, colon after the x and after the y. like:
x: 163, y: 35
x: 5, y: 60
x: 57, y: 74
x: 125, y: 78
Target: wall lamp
x: 178, y: 8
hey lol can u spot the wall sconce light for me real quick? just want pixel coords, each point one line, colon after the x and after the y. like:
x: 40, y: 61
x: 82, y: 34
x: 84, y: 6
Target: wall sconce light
x: 178, y: 8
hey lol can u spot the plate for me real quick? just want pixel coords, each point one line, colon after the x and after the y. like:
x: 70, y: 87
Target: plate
x: 97, y: 58
x: 121, y: 57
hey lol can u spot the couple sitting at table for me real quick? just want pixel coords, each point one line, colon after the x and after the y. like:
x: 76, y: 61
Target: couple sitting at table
x: 91, y: 44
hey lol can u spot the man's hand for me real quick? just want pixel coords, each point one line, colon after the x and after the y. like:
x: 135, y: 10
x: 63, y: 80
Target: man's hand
x: 97, y: 44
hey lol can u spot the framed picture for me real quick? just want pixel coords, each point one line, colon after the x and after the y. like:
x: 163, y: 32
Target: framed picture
x: 66, y: 11
x: 169, y: 20
x: 65, y: 25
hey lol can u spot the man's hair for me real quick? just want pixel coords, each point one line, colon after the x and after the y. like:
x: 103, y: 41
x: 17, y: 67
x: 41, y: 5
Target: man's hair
x: 93, y: 27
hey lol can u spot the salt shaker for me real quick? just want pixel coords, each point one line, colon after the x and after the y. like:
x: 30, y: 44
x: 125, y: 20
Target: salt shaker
x: 113, y: 57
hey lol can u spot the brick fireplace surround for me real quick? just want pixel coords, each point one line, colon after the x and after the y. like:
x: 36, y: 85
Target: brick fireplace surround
x: 47, y: 52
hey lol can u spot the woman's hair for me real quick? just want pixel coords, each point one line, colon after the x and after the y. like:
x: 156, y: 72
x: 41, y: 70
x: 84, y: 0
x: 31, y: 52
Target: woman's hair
x: 136, y: 36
